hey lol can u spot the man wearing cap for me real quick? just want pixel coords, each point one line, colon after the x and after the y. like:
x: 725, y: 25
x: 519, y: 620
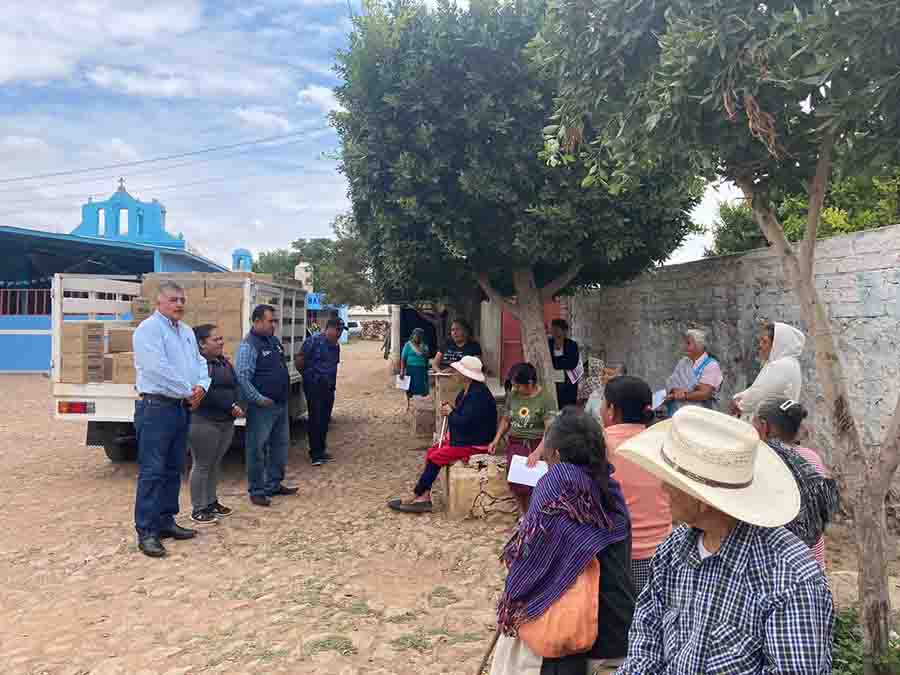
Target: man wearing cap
x: 319, y: 361
x: 730, y: 590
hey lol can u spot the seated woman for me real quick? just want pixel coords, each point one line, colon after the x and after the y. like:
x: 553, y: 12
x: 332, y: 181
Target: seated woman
x: 473, y: 423
x: 458, y: 346
x: 577, y: 529
x: 627, y: 412
x: 529, y: 411
x: 778, y: 421
x: 697, y: 377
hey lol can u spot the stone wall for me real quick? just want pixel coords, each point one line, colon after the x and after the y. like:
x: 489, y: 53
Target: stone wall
x: 857, y: 275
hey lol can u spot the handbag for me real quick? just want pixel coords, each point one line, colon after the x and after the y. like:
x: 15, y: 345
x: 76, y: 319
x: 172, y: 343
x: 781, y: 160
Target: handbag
x: 569, y: 626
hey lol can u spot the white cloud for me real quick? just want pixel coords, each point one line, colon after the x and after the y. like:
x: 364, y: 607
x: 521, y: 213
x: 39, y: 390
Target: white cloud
x: 320, y: 97
x: 192, y: 83
x: 13, y: 146
x: 704, y: 214
x: 117, y: 150
x: 263, y: 119
x: 47, y: 41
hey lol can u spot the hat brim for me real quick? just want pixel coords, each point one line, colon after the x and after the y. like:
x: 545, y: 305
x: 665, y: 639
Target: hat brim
x: 771, y: 500
x: 465, y: 372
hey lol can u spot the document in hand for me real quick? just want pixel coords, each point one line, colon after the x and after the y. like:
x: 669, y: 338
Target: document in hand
x: 519, y: 471
x: 659, y: 398
x: 403, y: 382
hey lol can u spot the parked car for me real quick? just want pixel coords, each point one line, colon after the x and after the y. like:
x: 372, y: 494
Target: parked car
x: 354, y: 329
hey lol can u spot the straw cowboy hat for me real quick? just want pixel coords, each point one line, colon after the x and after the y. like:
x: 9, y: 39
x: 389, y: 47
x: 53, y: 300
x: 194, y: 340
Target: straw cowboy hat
x: 470, y: 366
x: 720, y: 461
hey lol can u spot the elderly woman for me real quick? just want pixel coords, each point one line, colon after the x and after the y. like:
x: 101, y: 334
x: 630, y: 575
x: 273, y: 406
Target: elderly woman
x: 414, y: 363
x: 568, y: 601
x: 565, y: 362
x: 778, y: 421
x: 780, y: 348
x: 458, y: 346
x: 529, y: 411
x: 472, y: 419
x: 212, y: 427
x: 697, y: 376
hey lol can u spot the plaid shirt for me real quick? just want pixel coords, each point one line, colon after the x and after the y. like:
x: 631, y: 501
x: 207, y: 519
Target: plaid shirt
x: 759, y: 606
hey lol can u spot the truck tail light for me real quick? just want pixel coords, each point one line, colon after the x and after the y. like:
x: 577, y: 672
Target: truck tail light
x: 76, y: 407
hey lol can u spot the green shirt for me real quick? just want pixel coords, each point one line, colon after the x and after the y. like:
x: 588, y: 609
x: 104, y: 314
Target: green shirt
x: 413, y: 358
x: 528, y: 415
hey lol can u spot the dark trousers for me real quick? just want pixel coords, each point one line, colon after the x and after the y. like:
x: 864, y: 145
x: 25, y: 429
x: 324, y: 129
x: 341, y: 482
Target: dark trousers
x: 426, y: 480
x: 162, y: 432
x: 319, y: 404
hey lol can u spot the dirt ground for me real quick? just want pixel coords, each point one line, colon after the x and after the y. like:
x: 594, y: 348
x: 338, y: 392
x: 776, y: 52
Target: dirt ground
x: 328, y: 582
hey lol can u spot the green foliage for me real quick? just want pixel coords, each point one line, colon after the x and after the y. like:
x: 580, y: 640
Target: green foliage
x: 852, y: 204
x: 441, y: 142
x: 848, y: 647
x: 341, y: 267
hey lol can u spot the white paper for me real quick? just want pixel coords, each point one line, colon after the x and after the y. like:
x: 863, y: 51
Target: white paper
x: 576, y: 374
x: 559, y: 376
x: 659, y: 398
x: 403, y: 382
x: 520, y: 473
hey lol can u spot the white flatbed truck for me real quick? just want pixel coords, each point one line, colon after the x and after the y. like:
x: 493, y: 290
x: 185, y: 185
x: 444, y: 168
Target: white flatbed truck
x: 107, y: 407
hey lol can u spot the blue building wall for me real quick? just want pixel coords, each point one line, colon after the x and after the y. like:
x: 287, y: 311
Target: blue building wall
x: 170, y: 262
x: 25, y: 344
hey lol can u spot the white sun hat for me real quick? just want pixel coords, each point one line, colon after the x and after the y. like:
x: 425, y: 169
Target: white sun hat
x: 719, y: 460
x: 471, y: 367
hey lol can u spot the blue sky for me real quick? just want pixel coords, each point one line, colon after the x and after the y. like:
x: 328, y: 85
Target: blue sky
x: 93, y: 82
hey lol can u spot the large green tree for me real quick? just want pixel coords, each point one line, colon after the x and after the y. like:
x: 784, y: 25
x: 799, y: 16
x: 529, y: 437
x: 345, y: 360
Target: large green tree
x: 341, y: 266
x: 441, y: 140
x: 763, y: 94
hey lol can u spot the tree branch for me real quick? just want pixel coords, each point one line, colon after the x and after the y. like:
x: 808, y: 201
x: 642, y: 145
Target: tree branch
x: 890, y: 452
x: 817, y: 188
x: 549, y: 291
x: 496, y: 296
x: 764, y: 216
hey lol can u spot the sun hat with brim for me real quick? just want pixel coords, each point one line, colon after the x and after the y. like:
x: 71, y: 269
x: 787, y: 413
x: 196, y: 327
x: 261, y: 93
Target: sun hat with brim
x: 471, y: 367
x: 719, y: 460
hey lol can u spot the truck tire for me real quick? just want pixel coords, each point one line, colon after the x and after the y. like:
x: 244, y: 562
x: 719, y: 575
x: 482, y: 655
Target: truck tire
x: 118, y: 452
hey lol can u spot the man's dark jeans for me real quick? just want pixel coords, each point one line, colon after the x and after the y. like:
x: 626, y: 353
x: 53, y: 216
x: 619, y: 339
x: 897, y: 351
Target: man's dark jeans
x: 162, y: 432
x: 268, y: 440
x: 319, y: 403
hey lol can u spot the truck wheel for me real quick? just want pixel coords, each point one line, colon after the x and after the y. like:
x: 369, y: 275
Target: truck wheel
x: 119, y: 452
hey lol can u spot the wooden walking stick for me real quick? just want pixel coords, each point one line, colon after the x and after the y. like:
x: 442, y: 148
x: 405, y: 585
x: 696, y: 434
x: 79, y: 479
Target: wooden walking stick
x: 487, y: 654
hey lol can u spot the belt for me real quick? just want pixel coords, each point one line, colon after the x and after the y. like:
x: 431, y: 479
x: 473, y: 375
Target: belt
x: 163, y: 399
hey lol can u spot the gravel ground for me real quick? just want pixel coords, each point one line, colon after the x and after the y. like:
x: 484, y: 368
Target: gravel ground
x: 329, y: 581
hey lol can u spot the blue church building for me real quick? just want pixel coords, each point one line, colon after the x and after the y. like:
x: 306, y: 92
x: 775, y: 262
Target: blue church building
x: 120, y: 236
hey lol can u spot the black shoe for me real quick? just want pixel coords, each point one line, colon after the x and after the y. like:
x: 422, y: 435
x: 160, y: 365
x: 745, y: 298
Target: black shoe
x: 204, y: 516
x: 177, y: 533
x: 317, y: 461
x: 327, y: 458
x: 260, y: 500
x: 285, y: 491
x: 152, y: 547
x: 220, y: 511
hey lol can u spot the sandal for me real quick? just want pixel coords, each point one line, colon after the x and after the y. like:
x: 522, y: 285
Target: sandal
x: 410, y: 507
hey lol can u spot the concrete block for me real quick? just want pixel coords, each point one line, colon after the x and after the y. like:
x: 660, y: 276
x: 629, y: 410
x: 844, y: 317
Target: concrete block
x: 479, y: 489
x: 421, y: 416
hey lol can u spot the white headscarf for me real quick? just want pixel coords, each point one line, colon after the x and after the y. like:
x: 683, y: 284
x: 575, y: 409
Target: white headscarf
x: 780, y: 377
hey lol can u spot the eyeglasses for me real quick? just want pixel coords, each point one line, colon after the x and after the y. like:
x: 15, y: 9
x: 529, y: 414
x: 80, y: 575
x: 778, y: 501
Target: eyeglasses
x: 178, y: 300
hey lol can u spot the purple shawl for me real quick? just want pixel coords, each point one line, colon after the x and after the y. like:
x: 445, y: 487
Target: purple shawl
x: 565, y: 527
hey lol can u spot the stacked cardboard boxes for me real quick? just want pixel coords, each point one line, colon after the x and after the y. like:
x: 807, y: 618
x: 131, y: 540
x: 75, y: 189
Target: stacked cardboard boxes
x: 141, y: 308
x: 120, y: 340
x: 81, y: 352
x: 119, y: 368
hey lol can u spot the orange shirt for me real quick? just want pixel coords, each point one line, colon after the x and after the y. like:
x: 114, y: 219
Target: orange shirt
x: 651, y: 517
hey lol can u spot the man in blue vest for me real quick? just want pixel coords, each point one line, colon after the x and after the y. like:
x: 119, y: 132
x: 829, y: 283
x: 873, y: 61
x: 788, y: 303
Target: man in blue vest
x: 319, y: 362
x: 266, y: 385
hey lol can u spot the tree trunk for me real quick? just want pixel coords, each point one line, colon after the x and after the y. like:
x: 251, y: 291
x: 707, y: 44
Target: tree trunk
x: 535, y: 344
x: 864, y: 479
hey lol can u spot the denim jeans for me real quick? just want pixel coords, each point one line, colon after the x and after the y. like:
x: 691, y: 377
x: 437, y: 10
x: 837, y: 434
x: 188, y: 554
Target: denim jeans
x: 268, y: 438
x: 162, y: 432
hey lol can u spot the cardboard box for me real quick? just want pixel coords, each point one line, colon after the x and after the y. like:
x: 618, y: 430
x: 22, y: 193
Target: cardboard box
x: 142, y: 308
x: 119, y: 368
x: 81, y: 368
x: 84, y: 337
x: 120, y: 340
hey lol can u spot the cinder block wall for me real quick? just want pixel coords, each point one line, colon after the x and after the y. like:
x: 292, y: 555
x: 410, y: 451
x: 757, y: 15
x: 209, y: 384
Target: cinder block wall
x: 857, y: 275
